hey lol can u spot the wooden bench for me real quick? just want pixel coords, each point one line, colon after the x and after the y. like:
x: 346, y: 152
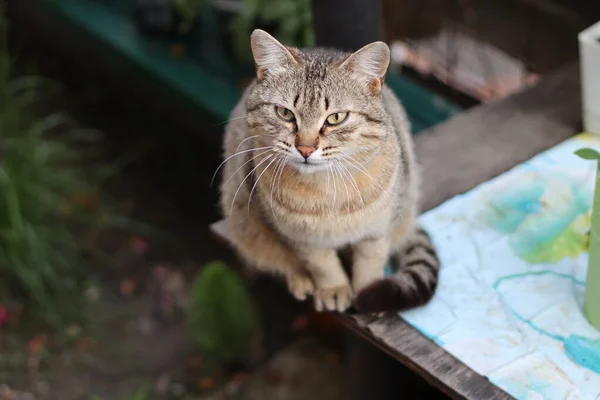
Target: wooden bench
x: 457, y: 155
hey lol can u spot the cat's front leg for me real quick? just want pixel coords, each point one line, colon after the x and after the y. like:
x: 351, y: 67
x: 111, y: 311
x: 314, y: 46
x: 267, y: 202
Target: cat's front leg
x: 333, y: 291
x: 368, y: 261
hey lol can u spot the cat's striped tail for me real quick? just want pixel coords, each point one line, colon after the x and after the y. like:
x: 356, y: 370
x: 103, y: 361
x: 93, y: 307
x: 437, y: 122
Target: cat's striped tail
x: 411, y: 285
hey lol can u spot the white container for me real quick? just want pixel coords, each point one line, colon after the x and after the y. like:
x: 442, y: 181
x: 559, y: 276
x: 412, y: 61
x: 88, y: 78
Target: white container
x: 589, y: 59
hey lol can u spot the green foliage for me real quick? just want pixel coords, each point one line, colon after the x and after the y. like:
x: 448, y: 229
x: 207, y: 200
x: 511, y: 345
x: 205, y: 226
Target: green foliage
x: 188, y: 10
x: 47, y: 201
x: 221, y: 314
x: 588, y: 154
x: 291, y: 21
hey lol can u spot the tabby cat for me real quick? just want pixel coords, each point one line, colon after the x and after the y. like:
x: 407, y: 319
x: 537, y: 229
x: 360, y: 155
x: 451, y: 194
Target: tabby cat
x: 319, y: 159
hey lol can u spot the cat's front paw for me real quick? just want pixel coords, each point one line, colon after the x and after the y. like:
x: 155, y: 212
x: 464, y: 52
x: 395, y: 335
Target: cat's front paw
x: 337, y: 298
x: 300, y: 286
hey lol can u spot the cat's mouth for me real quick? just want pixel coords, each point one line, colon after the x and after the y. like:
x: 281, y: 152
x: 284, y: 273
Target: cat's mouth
x: 308, y: 166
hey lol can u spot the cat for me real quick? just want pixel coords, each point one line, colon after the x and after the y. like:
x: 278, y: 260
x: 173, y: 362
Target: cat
x: 319, y: 158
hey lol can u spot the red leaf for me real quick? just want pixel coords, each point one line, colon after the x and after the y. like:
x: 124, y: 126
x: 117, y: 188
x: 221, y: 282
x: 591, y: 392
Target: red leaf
x: 36, y: 345
x: 138, y: 245
x: 206, y: 383
x: 3, y: 316
x: 177, y: 50
x: 127, y: 287
x: 300, y: 323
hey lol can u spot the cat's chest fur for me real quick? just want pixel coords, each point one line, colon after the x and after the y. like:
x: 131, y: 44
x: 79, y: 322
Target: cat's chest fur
x: 330, y: 221
x: 330, y: 230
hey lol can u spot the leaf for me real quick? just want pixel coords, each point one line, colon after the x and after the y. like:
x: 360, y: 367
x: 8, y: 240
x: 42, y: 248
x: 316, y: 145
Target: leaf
x: 588, y: 154
x: 221, y: 314
x: 127, y: 287
x: 206, y: 383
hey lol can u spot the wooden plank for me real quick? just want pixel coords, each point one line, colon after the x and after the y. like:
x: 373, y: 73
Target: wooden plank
x: 439, y: 368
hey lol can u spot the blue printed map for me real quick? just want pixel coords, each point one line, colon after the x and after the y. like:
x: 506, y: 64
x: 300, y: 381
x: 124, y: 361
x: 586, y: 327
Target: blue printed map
x: 514, y: 262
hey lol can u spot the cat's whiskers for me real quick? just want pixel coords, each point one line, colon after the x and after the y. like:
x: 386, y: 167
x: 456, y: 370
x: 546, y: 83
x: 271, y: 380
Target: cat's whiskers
x: 356, y: 164
x: 334, y: 186
x: 242, y: 166
x: 243, y: 141
x: 280, y: 176
x: 244, y: 180
x: 273, y: 180
x: 278, y: 180
x: 233, y: 155
x: 339, y: 171
x: 328, y: 173
x: 352, y: 181
x: 229, y: 120
x: 258, y: 179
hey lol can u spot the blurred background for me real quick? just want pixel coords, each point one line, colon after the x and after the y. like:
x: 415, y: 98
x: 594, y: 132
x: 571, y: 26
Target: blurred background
x: 111, y: 120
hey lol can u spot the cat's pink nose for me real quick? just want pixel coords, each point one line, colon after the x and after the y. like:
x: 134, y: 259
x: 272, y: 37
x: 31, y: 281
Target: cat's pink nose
x: 306, y: 151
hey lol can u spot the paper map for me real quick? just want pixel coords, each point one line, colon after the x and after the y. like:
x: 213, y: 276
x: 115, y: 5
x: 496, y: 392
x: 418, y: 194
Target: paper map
x: 514, y: 262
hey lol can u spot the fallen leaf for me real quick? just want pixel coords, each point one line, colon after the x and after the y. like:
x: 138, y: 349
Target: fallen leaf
x: 300, y: 323
x: 206, y: 383
x: 138, y: 245
x: 36, y: 345
x: 194, y: 363
x: 177, y: 50
x: 240, y: 377
x: 3, y: 316
x: 86, y: 344
x: 127, y: 287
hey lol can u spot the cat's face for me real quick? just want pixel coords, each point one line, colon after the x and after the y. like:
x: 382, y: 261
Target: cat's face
x: 313, y: 109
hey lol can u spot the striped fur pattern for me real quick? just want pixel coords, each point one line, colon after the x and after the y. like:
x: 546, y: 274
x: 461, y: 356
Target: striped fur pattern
x: 413, y: 282
x: 318, y: 158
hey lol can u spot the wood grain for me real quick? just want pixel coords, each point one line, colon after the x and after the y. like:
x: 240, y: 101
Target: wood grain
x: 456, y: 156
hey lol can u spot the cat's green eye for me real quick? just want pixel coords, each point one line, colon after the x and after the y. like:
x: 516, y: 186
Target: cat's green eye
x: 337, y: 118
x: 284, y: 113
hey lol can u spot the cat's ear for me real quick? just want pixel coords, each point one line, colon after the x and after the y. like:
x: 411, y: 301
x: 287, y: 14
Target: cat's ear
x: 372, y: 61
x: 269, y: 55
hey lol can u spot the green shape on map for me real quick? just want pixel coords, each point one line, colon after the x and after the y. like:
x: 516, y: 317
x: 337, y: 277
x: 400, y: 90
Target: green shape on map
x: 546, y: 221
x: 551, y: 249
